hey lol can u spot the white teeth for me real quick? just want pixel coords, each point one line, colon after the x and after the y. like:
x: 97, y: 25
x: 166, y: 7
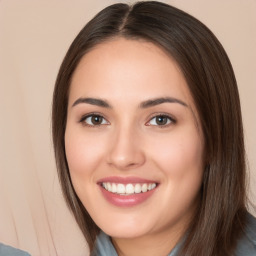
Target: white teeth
x: 128, y: 189
x: 144, y: 188
x: 120, y: 189
x: 137, y: 188
x: 109, y: 186
x: 114, y: 188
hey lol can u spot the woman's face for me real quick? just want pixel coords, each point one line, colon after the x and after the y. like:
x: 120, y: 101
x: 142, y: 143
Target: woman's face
x: 133, y: 141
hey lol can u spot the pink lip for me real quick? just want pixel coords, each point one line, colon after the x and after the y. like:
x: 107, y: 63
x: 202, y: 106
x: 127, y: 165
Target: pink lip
x: 126, y: 200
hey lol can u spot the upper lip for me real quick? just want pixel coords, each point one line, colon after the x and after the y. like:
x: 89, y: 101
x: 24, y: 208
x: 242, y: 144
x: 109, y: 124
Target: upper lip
x: 125, y: 180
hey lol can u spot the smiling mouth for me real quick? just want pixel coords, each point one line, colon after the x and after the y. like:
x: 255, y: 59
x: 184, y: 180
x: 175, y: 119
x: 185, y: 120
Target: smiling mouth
x: 128, y: 189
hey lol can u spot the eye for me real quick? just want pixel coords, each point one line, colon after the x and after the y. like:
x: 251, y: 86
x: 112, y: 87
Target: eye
x: 161, y: 120
x: 94, y: 120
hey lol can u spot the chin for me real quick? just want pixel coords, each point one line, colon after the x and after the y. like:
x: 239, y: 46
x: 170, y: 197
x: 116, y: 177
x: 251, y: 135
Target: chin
x: 126, y: 229
x: 125, y: 234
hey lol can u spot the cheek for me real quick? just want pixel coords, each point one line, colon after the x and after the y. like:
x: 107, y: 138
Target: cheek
x: 84, y: 155
x: 83, y: 152
x: 180, y: 158
x: 180, y: 150
x: 181, y: 162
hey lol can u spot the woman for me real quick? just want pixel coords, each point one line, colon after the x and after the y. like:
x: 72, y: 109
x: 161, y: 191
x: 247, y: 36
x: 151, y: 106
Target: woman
x: 148, y: 136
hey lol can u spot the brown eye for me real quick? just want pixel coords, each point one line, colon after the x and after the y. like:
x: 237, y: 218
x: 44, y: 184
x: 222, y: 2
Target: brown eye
x: 94, y: 120
x: 161, y: 120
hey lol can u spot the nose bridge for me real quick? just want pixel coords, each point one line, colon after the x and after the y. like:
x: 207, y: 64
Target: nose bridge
x: 126, y: 150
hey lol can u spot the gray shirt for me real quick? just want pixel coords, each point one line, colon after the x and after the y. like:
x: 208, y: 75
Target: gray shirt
x: 6, y: 250
x: 246, y: 245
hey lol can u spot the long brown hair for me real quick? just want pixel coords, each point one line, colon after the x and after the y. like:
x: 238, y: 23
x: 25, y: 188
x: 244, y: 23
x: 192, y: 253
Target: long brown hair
x: 221, y: 215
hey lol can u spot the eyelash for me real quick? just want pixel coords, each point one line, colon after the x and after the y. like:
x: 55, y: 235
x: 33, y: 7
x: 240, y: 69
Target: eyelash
x: 170, y: 120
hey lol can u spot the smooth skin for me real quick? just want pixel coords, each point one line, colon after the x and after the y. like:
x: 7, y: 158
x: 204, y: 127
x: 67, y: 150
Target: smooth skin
x: 121, y: 135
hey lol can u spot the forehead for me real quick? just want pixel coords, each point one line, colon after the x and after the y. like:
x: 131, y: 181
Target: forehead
x: 122, y: 66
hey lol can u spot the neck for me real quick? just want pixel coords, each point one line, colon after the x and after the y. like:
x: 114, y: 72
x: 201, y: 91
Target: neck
x: 160, y: 244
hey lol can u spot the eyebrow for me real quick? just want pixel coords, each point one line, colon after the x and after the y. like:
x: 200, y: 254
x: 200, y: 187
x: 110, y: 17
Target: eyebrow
x: 158, y: 101
x: 92, y: 101
x: 144, y: 104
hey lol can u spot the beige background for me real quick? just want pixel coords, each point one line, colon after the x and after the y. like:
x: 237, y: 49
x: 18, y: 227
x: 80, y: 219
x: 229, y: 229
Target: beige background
x: 34, y: 36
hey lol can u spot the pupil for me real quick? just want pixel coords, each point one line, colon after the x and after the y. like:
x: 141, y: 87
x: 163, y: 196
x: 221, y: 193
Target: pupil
x: 161, y: 120
x: 96, y: 120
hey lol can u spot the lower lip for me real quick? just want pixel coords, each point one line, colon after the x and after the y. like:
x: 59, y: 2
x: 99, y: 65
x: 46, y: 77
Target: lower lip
x: 126, y: 201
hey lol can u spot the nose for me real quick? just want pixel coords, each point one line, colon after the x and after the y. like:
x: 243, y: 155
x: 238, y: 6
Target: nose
x: 126, y: 150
